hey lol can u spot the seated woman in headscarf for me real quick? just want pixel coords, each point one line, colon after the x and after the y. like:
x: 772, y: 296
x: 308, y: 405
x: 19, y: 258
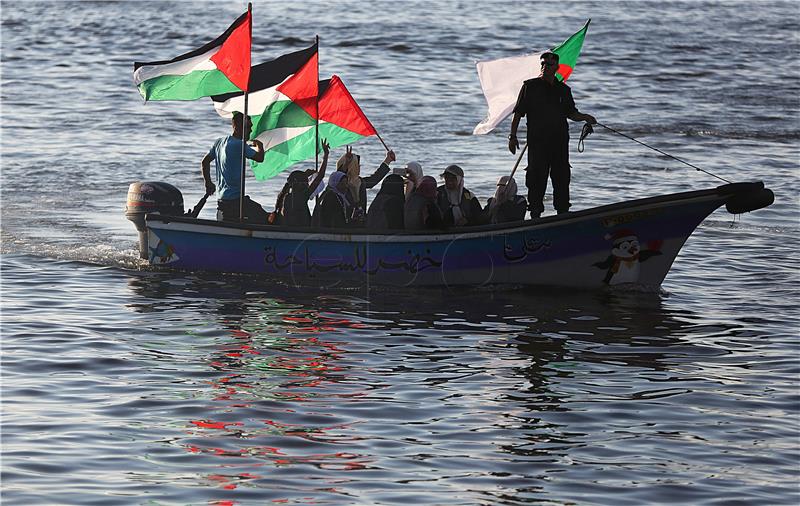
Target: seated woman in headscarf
x: 335, y: 208
x: 421, y: 211
x: 506, y: 205
x: 350, y: 164
x: 386, y: 210
x: 291, y: 206
x: 459, y: 206
x: 413, y: 173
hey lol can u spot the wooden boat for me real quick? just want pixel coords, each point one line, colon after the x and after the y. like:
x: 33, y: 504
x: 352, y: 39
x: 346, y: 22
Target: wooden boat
x: 629, y: 242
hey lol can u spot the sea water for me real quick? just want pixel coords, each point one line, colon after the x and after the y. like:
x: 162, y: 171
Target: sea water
x: 126, y: 385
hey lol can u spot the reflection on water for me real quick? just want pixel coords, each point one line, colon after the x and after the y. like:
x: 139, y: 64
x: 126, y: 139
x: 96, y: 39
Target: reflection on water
x: 469, y: 393
x: 228, y: 390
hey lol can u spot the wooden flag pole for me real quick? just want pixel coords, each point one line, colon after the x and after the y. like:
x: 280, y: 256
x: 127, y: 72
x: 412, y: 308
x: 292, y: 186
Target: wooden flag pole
x: 519, y: 159
x: 384, y: 144
x: 316, y: 123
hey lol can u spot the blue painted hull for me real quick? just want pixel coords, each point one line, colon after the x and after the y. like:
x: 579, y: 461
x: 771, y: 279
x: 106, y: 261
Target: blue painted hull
x: 631, y: 242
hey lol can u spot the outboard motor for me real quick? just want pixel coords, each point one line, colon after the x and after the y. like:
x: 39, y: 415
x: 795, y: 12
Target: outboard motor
x: 151, y: 197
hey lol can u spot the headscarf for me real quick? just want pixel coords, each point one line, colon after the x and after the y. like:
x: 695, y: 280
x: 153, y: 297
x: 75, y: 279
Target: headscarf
x: 333, y: 183
x: 392, y: 186
x: 427, y: 187
x: 352, y: 167
x: 454, y: 198
x: 506, y: 191
x: 415, y: 176
x: 296, y: 181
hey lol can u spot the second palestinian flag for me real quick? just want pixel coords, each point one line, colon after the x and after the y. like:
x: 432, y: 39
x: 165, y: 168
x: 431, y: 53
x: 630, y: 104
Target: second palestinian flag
x: 283, y: 106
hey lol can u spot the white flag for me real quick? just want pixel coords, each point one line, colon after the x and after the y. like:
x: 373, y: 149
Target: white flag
x: 501, y: 81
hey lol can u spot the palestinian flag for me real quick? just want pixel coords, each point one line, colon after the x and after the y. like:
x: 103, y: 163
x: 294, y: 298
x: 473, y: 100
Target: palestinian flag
x: 568, y: 52
x: 221, y: 66
x: 285, y: 113
x: 341, y: 121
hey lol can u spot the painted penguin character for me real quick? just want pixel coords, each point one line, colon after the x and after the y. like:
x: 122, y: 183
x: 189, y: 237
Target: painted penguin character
x: 163, y: 252
x: 622, y: 265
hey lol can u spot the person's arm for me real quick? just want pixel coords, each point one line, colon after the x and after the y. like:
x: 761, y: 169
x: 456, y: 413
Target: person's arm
x: 579, y: 116
x: 326, y: 148
x: 573, y: 113
x: 513, y: 143
x: 206, y: 171
x: 519, y: 112
x: 381, y: 172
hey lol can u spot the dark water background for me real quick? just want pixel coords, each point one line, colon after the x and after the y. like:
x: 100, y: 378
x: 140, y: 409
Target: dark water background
x: 122, y: 385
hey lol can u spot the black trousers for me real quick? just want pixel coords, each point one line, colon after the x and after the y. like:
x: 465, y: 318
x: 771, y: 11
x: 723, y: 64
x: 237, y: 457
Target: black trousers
x: 548, y: 158
x: 228, y: 210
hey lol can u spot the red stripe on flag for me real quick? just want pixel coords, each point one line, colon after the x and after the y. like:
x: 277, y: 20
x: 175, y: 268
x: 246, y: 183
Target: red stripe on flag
x: 303, y: 86
x: 565, y: 71
x: 233, y: 58
x: 338, y: 107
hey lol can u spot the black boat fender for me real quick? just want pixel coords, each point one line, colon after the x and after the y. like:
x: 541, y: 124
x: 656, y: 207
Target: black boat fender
x: 750, y: 201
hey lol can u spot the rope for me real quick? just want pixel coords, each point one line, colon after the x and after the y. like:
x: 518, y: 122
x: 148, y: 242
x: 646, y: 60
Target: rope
x: 651, y: 147
x: 587, y: 129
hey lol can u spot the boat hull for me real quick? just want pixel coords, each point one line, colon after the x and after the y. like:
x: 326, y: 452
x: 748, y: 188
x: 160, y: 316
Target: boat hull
x: 631, y: 242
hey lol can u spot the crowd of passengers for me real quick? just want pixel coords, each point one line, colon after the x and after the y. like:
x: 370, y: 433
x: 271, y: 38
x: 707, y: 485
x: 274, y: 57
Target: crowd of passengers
x: 407, y: 200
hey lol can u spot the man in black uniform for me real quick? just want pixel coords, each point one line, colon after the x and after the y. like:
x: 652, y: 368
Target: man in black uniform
x: 548, y: 103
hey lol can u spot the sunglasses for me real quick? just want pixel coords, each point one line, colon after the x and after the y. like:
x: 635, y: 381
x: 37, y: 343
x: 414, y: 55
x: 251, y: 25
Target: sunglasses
x: 549, y: 63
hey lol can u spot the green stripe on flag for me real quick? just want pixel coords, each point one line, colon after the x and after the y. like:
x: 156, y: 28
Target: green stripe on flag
x: 570, y: 49
x: 281, y: 114
x: 194, y: 85
x: 284, y: 155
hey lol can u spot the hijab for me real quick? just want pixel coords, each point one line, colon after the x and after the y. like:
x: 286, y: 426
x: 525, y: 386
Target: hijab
x: 427, y: 187
x: 506, y: 192
x: 333, y: 185
x: 392, y: 186
x: 415, y: 176
x: 454, y: 198
x: 294, y: 186
x: 351, y: 166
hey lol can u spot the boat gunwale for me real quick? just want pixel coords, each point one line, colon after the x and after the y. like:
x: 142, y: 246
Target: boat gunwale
x: 721, y: 193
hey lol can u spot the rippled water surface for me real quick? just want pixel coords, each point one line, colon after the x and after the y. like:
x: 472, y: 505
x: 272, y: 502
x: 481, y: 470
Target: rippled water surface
x: 124, y: 385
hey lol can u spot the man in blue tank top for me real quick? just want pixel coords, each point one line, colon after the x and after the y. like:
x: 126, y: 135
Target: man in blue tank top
x: 226, y: 153
x: 547, y: 103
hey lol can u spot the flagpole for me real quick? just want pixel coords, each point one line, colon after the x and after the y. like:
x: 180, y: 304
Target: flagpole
x: 519, y: 159
x: 316, y: 123
x: 384, y: 144
x: 245, y: 135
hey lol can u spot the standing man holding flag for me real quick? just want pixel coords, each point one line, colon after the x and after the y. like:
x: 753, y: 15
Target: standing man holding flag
x: 511, y: 84
x: 227, y: 155
x: 547, y: 102
x: 219, y: 67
